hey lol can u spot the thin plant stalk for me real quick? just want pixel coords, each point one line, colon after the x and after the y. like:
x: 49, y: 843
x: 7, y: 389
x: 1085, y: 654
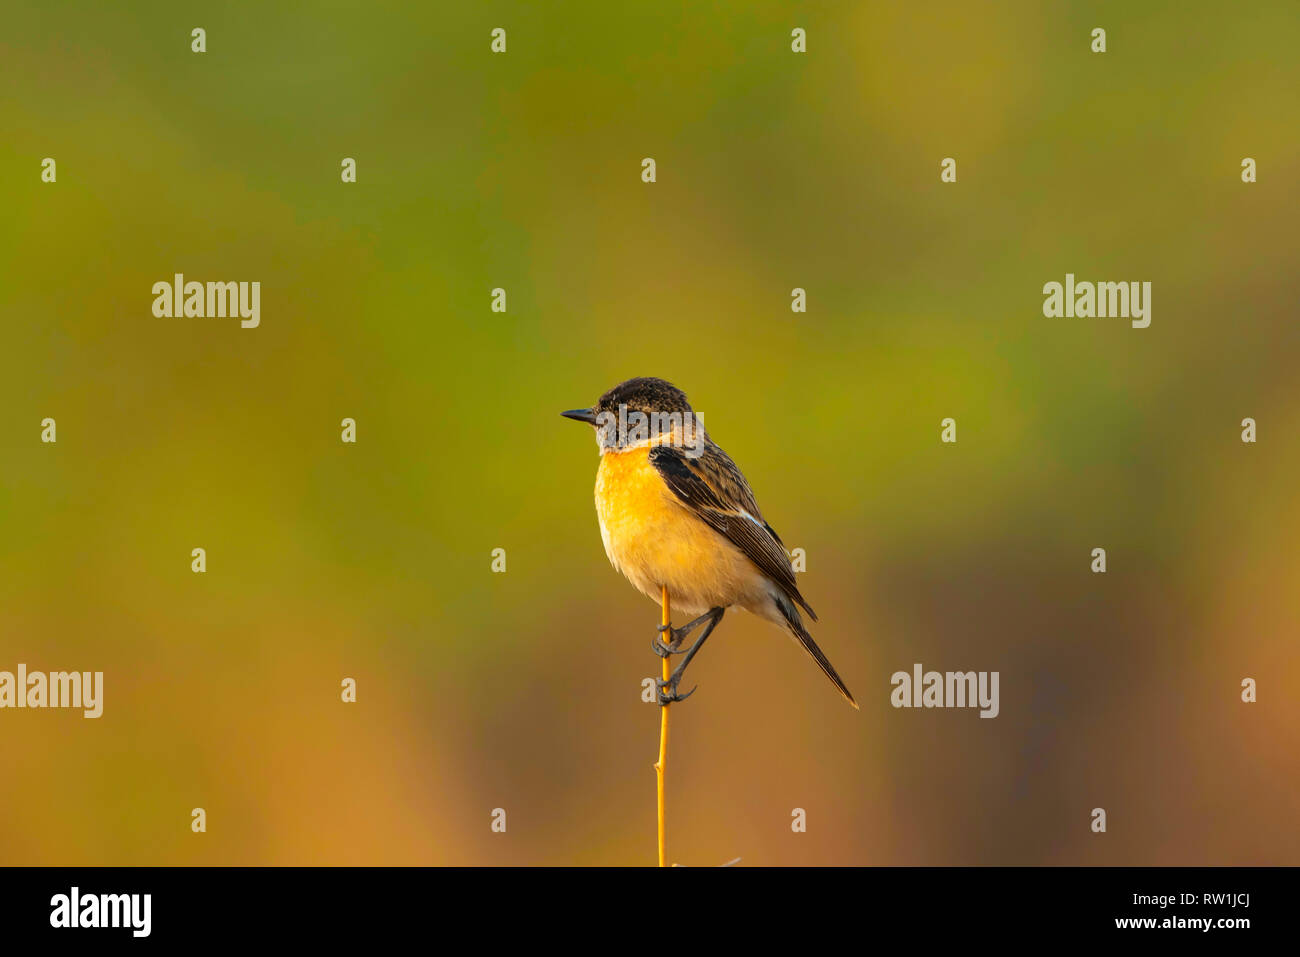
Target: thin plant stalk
x: 662, y: 764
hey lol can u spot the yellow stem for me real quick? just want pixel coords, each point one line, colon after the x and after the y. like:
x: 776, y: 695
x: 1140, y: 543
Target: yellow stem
x: 662, y: 764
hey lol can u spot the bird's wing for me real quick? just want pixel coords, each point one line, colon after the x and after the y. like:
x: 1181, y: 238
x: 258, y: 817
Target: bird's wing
x: 712, y: 487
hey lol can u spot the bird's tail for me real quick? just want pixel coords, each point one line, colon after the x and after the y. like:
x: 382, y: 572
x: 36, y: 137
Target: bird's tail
x: 791, y: 616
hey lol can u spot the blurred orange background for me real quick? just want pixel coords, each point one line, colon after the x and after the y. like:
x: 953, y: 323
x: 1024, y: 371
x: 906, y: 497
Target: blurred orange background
x: 522, y: 171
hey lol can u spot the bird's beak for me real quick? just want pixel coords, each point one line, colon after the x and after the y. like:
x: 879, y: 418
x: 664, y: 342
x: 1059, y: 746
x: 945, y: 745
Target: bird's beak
x: 582, y: 415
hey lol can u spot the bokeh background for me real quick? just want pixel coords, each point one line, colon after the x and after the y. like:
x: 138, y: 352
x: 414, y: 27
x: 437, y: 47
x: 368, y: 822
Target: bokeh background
x: 522, y: 690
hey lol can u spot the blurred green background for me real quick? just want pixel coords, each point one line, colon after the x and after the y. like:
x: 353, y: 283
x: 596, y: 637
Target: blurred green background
x: 522, y: 171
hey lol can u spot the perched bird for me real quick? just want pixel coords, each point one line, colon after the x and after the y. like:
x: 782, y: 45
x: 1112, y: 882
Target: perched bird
x: 675, y: 511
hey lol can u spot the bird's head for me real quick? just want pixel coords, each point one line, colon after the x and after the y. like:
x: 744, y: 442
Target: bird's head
x: 643, y: 411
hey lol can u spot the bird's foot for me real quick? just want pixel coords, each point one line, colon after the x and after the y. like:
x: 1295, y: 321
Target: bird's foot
x: 674, y: 646
x: 679, y: 635
x: 671, y: 695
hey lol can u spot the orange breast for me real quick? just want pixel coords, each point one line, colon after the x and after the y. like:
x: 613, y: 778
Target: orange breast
x: 654, y: 540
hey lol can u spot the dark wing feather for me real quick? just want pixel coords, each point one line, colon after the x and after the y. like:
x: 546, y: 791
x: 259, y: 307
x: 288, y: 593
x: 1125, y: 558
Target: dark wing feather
x: 712, y: 486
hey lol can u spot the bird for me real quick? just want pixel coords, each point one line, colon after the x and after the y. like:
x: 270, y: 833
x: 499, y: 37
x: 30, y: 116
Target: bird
x: 676, y: 513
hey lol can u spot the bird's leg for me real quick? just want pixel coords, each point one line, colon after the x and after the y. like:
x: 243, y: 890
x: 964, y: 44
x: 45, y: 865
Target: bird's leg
x: 714, y: 616
x: 674, y: 646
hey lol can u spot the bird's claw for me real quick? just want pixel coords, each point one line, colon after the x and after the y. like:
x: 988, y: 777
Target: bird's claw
x: 672, y: 648
x: 671, y: 695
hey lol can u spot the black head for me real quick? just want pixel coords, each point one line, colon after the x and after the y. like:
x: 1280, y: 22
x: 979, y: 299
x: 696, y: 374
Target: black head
x: 642, y: 412
x: 644, y: 394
